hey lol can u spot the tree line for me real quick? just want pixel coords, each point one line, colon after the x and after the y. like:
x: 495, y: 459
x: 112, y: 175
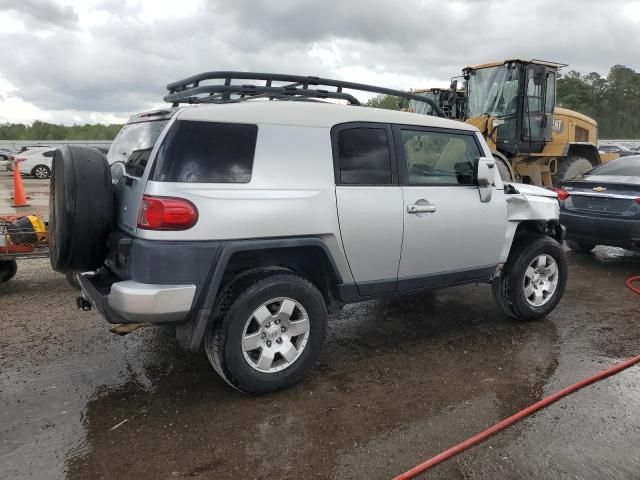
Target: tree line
x: 48, y: 131
x: 613, y: 101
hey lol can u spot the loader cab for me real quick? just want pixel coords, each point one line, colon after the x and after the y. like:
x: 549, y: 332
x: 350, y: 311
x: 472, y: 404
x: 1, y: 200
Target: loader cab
x: 518, y: 96
x: 451, y: 101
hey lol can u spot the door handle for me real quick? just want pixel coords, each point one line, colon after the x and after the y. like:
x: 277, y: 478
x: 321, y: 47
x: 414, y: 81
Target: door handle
x: 415, y: 208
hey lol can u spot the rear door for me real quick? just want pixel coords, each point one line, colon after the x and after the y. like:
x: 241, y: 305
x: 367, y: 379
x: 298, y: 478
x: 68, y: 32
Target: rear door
x: 450, y: 235
x: 369, y: 202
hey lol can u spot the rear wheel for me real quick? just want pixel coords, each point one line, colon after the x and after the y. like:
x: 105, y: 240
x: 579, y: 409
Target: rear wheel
x: 41, y: 171
x: 533, y: 279
x: 8, y: 269
x: 580, y: 246
x: 267, y: 331
x: 570, y: 167
x: 80, y: 209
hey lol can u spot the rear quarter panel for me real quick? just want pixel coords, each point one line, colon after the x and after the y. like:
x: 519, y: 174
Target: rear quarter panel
x: 291, y: 193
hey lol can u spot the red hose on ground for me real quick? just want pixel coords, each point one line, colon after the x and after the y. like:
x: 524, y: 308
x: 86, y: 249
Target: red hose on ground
x: 480, y: 437
x: 632, y: 287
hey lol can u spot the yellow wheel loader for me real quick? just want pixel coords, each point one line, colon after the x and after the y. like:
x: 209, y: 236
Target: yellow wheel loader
x: 513, y: 104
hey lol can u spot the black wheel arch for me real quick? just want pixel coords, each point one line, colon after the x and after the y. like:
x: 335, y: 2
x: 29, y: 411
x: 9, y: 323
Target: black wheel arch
x: 308, y: 257
x: 548, y: 228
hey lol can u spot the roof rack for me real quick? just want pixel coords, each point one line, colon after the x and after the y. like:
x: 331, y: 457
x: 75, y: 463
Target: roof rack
x: 296, y: 87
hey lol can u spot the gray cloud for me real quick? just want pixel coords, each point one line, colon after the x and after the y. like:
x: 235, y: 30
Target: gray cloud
x: 122, y: 62
x: 41, y: 13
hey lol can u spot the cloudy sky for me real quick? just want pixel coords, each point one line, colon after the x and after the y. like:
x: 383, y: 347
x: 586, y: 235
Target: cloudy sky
x: 77, y: 61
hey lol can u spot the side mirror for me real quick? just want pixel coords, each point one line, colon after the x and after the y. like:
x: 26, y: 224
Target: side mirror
x: 485, y: 177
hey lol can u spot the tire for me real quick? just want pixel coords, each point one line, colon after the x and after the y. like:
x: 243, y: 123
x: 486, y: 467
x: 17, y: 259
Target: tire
x: 41, y: 172
x: 509, y: 289
x: 80, y: 209
x: 570, y: 167
x: 504, y: 169
x: 8, y: 269
x: 236, y: 317
x: 583, y: 247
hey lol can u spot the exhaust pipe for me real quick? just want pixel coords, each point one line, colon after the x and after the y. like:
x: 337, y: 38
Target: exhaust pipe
x: 126, y: 328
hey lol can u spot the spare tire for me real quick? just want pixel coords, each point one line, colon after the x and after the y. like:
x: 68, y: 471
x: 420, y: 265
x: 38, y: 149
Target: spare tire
x: 80, y: 209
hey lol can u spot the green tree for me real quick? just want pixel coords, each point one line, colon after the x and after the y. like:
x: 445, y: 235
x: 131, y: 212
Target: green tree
x: 388, y: 102
x: 613, y: 101
x: 47, y: 131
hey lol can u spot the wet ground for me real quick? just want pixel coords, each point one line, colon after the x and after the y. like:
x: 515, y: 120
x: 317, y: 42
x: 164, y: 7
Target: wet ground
x: 400, y: 380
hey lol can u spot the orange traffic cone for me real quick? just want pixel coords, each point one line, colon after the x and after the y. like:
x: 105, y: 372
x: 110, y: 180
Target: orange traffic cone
x: 19, y: 197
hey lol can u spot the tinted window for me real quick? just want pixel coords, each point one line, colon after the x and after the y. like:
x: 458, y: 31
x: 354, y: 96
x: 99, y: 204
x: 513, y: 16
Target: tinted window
x: 439, y: 158
x: 363, y: 155
x: 629, y: 166
x: 207, y: 152
x: 133, y: 145
x: 49, y: 153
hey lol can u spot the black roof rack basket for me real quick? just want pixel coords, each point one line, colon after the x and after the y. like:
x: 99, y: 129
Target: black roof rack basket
x: 295, y: 87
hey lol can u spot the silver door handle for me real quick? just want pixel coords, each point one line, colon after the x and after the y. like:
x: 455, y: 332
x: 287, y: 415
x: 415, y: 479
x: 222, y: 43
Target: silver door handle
x: 421, y: 208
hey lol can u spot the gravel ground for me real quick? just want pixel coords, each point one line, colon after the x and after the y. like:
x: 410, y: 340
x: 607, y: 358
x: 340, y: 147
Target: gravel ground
x: 399, y: 380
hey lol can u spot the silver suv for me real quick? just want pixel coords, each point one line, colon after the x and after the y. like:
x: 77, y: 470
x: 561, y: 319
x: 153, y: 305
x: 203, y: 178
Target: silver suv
x: 244, y: 222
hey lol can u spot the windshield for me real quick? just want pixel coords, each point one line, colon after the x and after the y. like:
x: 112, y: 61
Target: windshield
x: 493, y: 91
x: 134, y: 143
x: 625, y: 167
x: 423, y: 107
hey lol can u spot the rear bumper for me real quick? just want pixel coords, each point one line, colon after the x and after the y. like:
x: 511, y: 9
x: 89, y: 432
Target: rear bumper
x: 615, y: 232
x: 129, y: 301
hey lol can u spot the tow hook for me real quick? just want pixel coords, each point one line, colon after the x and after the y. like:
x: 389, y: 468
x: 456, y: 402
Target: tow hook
x: 83, y: 304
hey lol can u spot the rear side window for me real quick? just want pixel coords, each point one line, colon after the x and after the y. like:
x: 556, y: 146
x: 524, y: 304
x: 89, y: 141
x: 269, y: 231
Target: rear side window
x: 207, y: 152
x: 133, y: 145
x: 439, y: 158
x: 625, y: 167
x: 363, y: 156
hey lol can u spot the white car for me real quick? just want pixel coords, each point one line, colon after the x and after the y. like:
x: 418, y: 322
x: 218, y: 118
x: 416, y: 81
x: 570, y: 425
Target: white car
x: 35, y: 162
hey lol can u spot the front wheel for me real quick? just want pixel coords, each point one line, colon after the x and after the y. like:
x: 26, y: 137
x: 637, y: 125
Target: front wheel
x: 504, y: 169
x: 570, y: 167
x: 267, y: 331
x: 533, y: 279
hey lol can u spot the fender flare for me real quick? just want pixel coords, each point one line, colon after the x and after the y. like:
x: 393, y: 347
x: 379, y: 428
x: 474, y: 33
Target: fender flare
x: 191, y: 333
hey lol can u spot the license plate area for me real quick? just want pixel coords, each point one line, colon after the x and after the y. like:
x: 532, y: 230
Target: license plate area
x: 598, y: 204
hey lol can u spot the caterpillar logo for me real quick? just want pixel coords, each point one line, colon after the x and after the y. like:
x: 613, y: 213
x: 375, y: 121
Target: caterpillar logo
x: 557, y: 125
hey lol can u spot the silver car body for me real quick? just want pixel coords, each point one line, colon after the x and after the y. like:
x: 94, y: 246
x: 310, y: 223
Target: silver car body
x: 370, y: 231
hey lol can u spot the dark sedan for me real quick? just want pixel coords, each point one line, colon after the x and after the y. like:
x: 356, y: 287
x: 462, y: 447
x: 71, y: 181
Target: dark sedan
x: 602, y: 207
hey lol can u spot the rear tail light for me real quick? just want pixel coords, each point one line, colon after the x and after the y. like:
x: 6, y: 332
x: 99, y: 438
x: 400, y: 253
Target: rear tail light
x: 166, y: 213
x: 638, y: 199
x: 562, y: 194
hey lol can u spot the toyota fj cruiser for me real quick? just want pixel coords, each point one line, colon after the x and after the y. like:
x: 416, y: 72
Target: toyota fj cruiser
x: 246, y: 216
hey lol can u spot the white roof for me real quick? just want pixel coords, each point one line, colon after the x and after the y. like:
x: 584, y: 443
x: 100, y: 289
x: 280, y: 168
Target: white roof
x: 309, y: 114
